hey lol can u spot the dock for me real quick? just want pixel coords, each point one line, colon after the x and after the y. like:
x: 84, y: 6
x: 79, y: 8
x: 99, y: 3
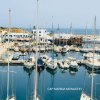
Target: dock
x: 13, y: 62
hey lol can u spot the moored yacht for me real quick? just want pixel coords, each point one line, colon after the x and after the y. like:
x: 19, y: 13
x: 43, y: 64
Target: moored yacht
x: 30, y: 63
x: 44, y: 58
x: 93, y: 63
x: 12, y: 98
x: 65, y: 49
x: 86, y: 50
x: 73, y: 63
x: 63, y: 64
x: 52, y: 64
x: 40, y: 64
x: 84, y: 96
x: 90, y: 55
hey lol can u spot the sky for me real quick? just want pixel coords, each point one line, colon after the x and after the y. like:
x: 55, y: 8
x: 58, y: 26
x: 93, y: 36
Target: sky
x: 64, y: 12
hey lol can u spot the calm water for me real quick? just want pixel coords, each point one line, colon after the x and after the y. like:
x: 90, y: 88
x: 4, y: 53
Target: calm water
x: 51, y: 84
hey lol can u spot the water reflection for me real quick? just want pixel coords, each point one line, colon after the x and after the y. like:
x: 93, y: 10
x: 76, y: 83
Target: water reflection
x: 2, y: 86
x: 29, y: 71
x: 89, y: 70
x: 29, y: 88
x: 51, y: 72
x: 73, y: 71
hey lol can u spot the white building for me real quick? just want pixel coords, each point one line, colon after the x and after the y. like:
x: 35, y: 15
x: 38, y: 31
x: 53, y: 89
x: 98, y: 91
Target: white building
x: 43, y: 36
x: 15, y: 35
x: 62, y: 36
x: 18, y: 36
x: 2, y: 35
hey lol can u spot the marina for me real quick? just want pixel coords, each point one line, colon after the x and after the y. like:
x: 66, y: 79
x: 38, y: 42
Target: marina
x: 51, y: 84
x: 63, y: 71
x: 43, y: 63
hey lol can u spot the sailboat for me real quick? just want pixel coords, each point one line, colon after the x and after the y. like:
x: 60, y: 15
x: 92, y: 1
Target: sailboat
x: 93, y: 59
x: 8, y: 71
x: 84, y: 96
x: 30, y: 63
x: 52, y: 63
x: 86, y: 49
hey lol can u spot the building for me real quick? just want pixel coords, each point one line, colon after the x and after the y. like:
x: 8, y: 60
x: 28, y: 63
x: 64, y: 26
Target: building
x: 2, y: 35
x: 43, y: 36
x: 67, y: 39
x: 15, y: 34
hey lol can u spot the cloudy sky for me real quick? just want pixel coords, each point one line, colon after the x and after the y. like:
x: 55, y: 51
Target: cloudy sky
x: 64, y: 12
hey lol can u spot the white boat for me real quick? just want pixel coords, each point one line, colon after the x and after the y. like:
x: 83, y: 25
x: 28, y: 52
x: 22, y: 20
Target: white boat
x: 16, y: 49
x: 13, y: 98
x: 65, y: 49
x: 93, y: 63
x: 23, y: 49
x: 30, y: 63
x: 97, y: 49
x: 74, y: 48
x: 63, y: 64
x: 52, y: 64
x: 91, y: 40
x: 72, y: 62
x: 44, y: 58
x: 84, y: 96
x: 90, y: 55
x: 36, y: 98
x: 86, y: 50
x: 23, y: 54
x: 41, y: 49
x: 71, y: 59
x: 15, y: 56
x: 57, y: 49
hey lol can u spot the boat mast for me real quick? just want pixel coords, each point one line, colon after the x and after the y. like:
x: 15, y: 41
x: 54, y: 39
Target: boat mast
x: 92, y: 80
x: 71, y: 29
x: 35, y: 76
x: 53, y: 37
x: 8, y: 55
x: 86, y: 34
x: 58, y: 30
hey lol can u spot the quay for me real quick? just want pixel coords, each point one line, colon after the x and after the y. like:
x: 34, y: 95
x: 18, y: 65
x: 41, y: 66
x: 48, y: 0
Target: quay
x: 4, y: 46
x: 13, y: 62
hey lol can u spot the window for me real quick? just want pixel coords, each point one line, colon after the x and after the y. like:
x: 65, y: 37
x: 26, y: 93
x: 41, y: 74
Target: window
x: 10, y: 35
x: 34, y: 32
